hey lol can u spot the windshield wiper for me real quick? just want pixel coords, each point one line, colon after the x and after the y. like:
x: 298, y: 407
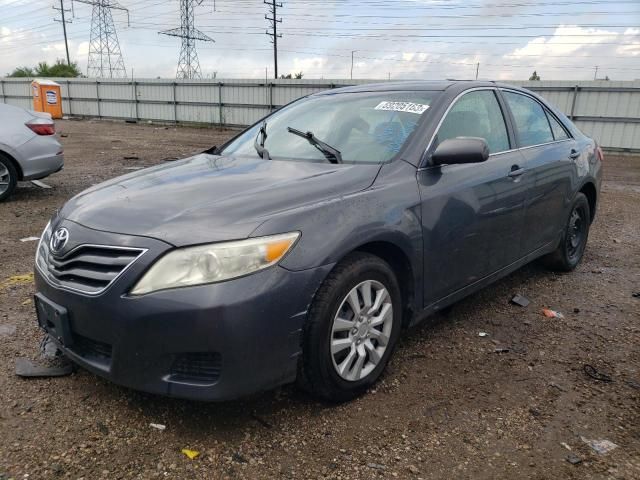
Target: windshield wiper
x: 259, y: 146
x: 330, y: 153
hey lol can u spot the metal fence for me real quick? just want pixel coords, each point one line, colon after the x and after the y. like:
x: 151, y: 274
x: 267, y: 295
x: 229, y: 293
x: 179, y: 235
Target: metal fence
x: 606, y: 110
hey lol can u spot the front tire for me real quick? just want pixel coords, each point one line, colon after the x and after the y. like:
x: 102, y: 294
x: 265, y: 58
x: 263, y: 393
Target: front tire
x: 574, y: 237
x: 353, y: 326
x: 8, y: 177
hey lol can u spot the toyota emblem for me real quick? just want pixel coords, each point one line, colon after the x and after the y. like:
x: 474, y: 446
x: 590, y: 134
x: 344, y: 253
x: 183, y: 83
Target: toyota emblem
x: 59, y: 239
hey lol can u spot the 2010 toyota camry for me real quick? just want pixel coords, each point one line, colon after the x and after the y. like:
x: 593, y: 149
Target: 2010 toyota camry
x: 302, y: 248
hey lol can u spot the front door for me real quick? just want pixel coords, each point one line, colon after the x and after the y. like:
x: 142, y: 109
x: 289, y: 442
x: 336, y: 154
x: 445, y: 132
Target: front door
x: 472, y: 214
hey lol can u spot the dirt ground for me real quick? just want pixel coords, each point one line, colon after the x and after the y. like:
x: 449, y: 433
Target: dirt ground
x: 448, y: 406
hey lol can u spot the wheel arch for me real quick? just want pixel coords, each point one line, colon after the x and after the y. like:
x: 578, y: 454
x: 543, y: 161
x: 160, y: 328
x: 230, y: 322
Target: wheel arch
x: 589, y: 191
x: 401, y: 265
x: 13, y: 161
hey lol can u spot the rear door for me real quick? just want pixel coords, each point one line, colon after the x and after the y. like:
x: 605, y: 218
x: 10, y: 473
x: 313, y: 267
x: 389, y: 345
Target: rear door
x: 472, y: 214
x: 549, y: 156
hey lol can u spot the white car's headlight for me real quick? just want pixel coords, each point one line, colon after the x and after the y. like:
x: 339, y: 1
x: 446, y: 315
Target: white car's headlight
x: 214, y: 262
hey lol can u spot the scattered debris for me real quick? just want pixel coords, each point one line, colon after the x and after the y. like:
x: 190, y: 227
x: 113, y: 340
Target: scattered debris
x: 501, y: 350
x: 555, y: 385
x: 190, y: 453
x: 131, y: 157
x: 573, y: 459
x: 40, y: 184
x: 636, y: 294
x: 158, y: 426
x: 413, y: 469
x: 600, y: 446
x: 7, y: 330
x: 238, y: 457
x: 261, y: 421
x: 534, y: 412
x: 26, y: 302
x: 576, y: 310
x: 27, y: 368
x: 565, y: 445
x: 483, y: 334
x: 17, y: 280
x: 551, y: 313
x: 520, y: 300
x: 64, y: 135
x: 596, y: 375
x: 130, y: 121
x: 30, y: 239
x: 169, y: 159
x: 376, y: 466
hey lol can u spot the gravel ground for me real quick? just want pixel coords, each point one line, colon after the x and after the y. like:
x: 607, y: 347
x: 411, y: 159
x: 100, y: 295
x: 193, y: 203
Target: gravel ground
x: 448, y: 406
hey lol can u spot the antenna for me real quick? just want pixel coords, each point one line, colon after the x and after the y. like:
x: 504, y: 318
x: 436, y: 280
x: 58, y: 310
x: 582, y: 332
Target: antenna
x: 188, y: 63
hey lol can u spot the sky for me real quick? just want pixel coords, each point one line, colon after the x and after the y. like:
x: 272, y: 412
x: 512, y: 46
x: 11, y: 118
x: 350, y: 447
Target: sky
x: 390, y: 39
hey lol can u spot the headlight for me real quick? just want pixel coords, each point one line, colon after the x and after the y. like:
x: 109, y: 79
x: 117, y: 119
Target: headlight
x: 214, y: 262
x: 43, y: 248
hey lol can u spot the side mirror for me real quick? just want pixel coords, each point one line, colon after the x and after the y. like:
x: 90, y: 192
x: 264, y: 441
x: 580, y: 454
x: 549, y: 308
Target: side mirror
x: 461, y: 150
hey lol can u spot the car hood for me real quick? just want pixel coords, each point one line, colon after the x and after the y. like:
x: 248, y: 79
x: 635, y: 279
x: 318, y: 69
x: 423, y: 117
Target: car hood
x: 209, y: 198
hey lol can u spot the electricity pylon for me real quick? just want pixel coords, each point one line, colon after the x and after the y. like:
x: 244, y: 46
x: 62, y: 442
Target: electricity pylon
x: 188, y: 63
x: 105, y: 58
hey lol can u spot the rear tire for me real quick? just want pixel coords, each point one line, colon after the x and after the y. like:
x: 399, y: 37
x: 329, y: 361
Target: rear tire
x: 8, y: 177
x: 353, y: 326
x: 574, y: 237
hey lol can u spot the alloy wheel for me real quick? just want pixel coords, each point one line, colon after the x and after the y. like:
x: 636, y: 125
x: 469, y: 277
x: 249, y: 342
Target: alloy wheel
x: 361, y: 330
x: 5, y: 178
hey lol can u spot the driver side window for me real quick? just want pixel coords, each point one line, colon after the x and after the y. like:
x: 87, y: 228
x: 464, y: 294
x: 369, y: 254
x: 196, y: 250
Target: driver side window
x: 476, y: 114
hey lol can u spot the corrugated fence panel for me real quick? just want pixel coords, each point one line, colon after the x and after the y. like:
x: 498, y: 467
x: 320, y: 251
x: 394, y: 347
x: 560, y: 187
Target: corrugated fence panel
x: 609, y: 111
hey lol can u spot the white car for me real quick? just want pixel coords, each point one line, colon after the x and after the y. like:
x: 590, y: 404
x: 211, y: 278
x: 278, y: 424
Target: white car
x: 29, y: 147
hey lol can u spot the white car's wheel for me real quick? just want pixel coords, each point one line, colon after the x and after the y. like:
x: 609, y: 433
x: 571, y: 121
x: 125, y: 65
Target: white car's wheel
x: 8, y: 177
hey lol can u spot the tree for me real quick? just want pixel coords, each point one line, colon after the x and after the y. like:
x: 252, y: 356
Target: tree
x: 298, y: 76
x: 285, y: 77
x: 288, y: 76
x: 43, y: 69
x: 534, y: 76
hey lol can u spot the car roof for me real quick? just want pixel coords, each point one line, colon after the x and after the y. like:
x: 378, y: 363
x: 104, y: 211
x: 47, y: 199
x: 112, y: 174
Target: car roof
x: 416, y: 85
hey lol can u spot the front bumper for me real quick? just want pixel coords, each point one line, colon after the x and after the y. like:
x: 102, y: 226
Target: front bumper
x: 210, y: 342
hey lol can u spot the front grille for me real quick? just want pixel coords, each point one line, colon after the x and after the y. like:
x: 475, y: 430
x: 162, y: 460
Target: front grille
x: 201, y: 367
x: 87, y: 268
x: 92, y: 350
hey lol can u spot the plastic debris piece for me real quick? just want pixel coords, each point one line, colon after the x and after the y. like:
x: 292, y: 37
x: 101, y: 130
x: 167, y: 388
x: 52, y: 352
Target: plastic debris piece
x: 597, y: 375
x: 376, y: 466
x: 26, y: 368
x: 30, y: 239
x: 40, y: 184
x: 158, y: 426
x: 190, y: 453
x: 565, y: 445
x: 601, y: 447
x: 501, y: 350
x: 483, y: 334
x: 520, y: 300
x: 26, y: 302
x: 573, y: 459
x: 547, y: 312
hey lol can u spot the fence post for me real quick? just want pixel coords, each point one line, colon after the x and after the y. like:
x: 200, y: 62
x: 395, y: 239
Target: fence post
x: 573, y: 101
x: 135, y: 94
x: 69, y: 96
x: 220, y: 103
x: 175, y: 103
x: 98, y: 97
x: 2, y: 89
x: 270, y: 97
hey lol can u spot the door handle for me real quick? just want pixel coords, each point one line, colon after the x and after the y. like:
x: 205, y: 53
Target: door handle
x: 516, y: 171
x: 574, y: 154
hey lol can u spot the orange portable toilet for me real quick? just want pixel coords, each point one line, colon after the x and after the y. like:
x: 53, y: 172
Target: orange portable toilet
x: 47, y: 97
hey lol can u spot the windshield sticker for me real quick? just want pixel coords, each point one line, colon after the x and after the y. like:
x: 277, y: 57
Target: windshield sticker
x: 418, y: 108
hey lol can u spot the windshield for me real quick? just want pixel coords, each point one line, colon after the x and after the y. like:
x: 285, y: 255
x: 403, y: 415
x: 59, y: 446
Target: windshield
x: 366, y: 127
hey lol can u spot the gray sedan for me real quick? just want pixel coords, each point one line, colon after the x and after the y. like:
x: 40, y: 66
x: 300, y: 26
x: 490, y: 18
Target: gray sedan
x: 29, y: 148
x: 302, y: 248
